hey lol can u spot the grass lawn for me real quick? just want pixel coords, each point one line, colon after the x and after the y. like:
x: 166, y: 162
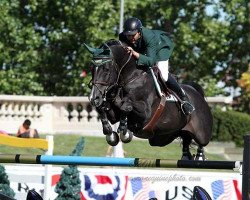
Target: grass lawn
x: 97, y: 146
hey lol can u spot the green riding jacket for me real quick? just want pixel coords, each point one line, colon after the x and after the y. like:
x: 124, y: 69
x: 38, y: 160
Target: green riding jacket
x: 153, y: 46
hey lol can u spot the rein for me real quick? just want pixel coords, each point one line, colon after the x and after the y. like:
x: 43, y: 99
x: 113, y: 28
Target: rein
x: 110, y: 59
x: 119, y: 73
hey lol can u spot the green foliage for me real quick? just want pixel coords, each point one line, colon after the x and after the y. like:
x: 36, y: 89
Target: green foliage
x: 41, y: 42
x: 69, y: 185
x: 230, y: 126
x: 210, y: 86
x: 19, y: 52
x: 5, y: 183
x: 45, y: 40
x: 24, y: 83
x: 208, y: 34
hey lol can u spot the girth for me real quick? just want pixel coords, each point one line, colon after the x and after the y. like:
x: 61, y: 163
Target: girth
x: 150, y: 125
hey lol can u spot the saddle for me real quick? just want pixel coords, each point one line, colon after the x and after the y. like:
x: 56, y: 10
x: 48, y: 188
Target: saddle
x: 162, y: 83
x: 166, y: 94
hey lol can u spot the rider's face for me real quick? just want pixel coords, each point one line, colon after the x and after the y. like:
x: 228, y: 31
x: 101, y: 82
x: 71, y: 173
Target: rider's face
x: 133, y: 38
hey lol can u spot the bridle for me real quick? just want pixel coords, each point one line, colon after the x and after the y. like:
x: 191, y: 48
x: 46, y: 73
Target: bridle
x: 98, y: 61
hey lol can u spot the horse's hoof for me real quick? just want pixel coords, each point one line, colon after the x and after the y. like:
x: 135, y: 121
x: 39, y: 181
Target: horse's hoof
x: 112, y: 139
x: 200, y: 154
x: 126, y: 138
x: 187, y: 156
x: 200, y: 157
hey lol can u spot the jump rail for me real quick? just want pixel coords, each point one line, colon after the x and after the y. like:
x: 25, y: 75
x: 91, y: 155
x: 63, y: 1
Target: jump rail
x: 45, y: 144
x: 125, y: 162
x: 141, y: 162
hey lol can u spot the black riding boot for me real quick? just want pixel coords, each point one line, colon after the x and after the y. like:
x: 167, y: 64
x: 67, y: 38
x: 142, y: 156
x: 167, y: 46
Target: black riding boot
x: 186, y: 106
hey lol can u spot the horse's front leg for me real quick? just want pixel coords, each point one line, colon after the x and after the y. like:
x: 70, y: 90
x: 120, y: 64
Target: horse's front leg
x: 125, y: 135
x: 112, y: 137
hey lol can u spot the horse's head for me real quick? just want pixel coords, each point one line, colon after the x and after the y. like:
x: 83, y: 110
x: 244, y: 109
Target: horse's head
x: 105, y: 67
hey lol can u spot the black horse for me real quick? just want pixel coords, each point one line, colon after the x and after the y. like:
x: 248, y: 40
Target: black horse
x: 124, y: 92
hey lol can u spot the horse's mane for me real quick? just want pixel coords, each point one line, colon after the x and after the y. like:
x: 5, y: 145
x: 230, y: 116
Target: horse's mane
x: 109, y: 50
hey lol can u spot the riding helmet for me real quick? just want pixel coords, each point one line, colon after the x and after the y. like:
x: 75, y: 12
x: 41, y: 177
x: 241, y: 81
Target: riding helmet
x: 132, y: 26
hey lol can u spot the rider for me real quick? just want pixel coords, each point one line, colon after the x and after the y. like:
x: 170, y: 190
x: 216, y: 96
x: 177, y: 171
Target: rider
x: 151, y: 47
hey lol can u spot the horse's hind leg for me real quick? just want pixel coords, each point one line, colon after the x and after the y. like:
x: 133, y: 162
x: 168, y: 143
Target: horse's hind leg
x: 187, y: 139
x: 200, y: 153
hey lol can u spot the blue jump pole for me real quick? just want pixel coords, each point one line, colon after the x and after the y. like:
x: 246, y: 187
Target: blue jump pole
x: 94, y: 161
x: 124, y: 162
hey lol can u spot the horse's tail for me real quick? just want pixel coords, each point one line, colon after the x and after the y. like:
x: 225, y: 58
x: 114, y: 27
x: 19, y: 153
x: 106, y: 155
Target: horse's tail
x: 197, y: 87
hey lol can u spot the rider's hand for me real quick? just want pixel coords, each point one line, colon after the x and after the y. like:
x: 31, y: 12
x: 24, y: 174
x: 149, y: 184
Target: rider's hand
x: 134, y: 53
x: 129, y: 49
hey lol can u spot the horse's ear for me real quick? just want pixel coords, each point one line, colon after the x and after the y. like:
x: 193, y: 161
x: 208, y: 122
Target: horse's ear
x: 94, y: 51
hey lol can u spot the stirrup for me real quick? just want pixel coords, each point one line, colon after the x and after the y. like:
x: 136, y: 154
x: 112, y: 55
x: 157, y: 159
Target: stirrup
x: 188, y: 110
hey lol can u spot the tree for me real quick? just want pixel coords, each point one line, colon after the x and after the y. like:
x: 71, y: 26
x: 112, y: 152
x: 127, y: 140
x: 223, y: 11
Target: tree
x: 211, y: 37
x: 244, y: 83
x: 69, y: 185
x: 5, y: 183
x: 210, y: 86
x: 19, y: 45
x: 41, y: 43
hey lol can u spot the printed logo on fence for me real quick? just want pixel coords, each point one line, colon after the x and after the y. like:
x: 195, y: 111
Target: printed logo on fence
x: 104, y: 187
x: 142, y: 189
x: 225, y: 189
x: 171, y: 178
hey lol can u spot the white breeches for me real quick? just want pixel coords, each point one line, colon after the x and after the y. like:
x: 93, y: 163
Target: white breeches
x: 163, y: 67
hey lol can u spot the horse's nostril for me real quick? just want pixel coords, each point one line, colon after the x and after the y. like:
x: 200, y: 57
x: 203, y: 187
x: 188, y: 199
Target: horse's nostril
x: 97, y: 101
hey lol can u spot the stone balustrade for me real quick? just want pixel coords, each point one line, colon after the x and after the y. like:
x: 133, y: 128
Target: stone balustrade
x: 51, y: 115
